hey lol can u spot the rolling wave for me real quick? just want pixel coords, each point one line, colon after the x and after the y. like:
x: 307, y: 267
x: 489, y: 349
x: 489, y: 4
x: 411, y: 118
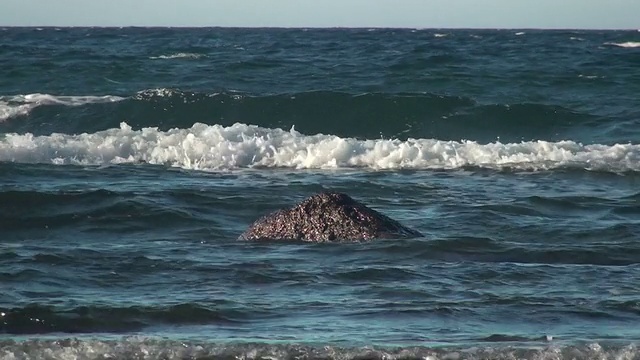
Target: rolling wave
x: 215, y: 147
x: 22, y: 105
x: 363, y: 116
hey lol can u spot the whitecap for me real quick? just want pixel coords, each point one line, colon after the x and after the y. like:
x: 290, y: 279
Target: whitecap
x: 215, y: 147
x: 628, y: 44
x: 180, y: 55
x: 20, y: 105
x: 8, y: 111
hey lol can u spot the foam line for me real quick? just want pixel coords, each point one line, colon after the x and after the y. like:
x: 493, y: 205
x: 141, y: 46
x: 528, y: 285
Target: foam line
x: 214, y: 147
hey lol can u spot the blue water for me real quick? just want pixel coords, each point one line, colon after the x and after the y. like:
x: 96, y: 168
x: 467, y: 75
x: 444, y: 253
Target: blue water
x: 131, y: 159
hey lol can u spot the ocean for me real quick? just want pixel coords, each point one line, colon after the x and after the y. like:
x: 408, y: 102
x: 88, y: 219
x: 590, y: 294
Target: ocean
x: 131, y: 159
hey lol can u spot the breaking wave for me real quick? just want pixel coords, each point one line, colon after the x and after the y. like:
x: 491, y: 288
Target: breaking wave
x: 21, y: 105
x: 362, y: 116
x: 215, y: 147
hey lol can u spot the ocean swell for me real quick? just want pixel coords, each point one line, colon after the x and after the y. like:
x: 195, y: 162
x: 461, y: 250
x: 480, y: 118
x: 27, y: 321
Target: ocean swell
x: 358, y: 115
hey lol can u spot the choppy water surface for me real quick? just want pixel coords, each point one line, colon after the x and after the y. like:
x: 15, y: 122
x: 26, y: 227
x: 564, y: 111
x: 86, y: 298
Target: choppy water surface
x: 131, y: 160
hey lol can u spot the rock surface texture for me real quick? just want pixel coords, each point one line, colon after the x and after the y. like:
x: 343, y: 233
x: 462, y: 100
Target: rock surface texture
x: 327, y: 217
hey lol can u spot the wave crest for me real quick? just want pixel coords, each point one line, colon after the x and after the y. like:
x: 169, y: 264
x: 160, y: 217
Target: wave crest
x: 214, y: 147
x: 22, y: 105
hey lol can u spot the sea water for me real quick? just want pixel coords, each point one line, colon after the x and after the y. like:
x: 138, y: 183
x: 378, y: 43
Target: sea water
x: 131, y: 159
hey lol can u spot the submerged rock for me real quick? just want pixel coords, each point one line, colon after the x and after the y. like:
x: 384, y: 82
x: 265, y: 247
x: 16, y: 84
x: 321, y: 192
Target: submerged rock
x: 327, y: 217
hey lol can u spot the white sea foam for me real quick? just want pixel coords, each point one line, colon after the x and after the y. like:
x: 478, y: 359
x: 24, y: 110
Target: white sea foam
x: 628, y: 44
x: 440, y: 35
x: 180, y: 55
x: 520, y: 33
x: 151, y: 349
x: 159, y: 92
x: 18, y: 105
x: 205, y: 147
x: 589, y: 76
x: 8, y: 111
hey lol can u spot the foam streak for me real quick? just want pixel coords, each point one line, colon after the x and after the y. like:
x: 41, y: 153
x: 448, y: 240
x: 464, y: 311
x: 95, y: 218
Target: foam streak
x: 628, y: 44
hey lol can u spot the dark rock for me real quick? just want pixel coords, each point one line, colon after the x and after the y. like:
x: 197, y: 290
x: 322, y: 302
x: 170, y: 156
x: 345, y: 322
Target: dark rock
x: 327, y: 217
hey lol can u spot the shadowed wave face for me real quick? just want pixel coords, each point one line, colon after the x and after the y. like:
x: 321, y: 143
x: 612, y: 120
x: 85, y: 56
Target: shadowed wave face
x: 327, y: 216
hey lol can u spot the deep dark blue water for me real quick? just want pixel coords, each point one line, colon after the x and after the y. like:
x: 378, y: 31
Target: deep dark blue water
x: 131, y: 159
